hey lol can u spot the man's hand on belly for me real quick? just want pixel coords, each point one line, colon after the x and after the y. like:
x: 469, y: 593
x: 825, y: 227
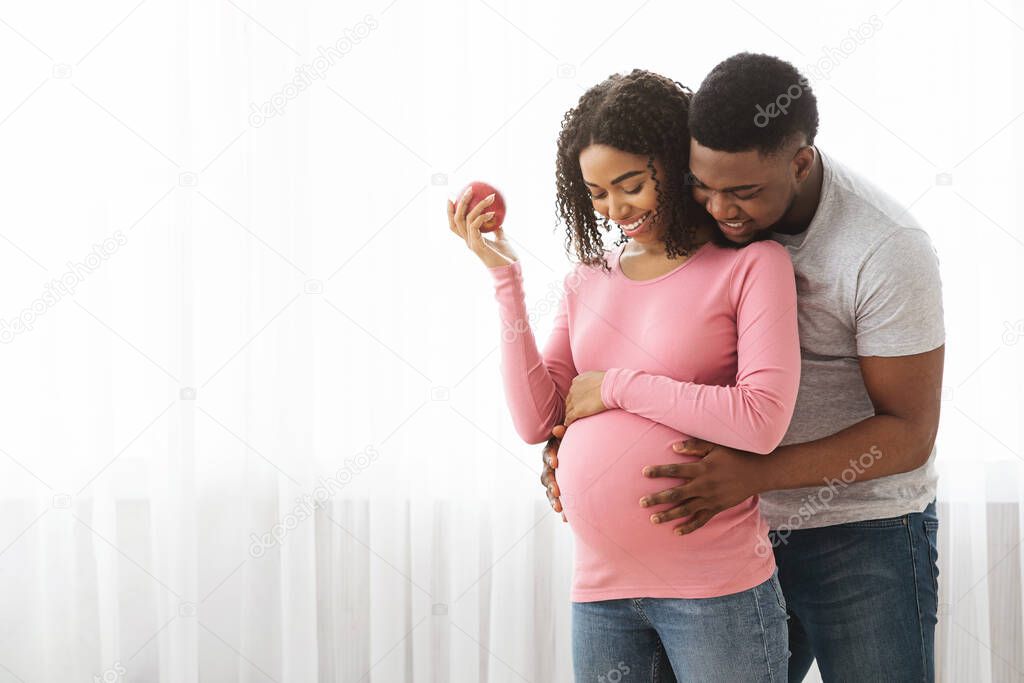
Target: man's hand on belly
x: 724, y: 477
x: 547, y: 475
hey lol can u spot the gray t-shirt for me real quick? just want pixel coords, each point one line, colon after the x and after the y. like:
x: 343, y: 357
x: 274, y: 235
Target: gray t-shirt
x: 867, y: 285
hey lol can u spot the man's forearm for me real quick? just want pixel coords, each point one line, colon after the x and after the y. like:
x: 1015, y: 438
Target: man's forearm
x: 879, y: 446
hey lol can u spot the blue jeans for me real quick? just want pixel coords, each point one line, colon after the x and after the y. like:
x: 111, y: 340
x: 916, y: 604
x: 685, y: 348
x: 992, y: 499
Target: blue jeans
x: 862, y: 598
x: 737, y: 637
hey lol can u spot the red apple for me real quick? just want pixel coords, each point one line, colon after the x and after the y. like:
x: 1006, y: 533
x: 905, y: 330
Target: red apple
x: 481, y: 190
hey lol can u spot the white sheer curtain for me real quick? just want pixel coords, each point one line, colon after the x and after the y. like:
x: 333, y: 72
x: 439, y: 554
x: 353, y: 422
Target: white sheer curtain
x: 257, y: 433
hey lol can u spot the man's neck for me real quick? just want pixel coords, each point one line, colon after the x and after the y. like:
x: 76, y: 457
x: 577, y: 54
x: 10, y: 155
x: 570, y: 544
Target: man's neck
x: 802, y: 211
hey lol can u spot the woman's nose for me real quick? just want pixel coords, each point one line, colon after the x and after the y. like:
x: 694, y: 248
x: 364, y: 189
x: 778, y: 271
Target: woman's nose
x: 617, y: 210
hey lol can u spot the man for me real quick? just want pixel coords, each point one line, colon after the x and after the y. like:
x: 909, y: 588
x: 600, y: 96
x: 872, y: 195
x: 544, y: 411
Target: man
x: 850, y: 493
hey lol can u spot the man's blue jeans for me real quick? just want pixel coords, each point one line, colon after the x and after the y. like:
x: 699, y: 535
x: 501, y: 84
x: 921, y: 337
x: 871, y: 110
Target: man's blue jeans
x: 727, y: 639
x: 862, y: 598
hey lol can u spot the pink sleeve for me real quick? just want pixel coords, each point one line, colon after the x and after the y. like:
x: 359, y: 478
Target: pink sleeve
x: 754, y: 414
x: 535, y: 384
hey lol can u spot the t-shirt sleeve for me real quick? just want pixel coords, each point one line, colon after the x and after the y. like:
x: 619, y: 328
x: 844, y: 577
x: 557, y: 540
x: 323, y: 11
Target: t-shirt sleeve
x: 535, y: 383
x: 899, y: 297
x: 753, y: 414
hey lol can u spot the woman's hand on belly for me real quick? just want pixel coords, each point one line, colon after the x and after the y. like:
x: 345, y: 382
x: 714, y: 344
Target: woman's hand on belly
x: 584, y: 397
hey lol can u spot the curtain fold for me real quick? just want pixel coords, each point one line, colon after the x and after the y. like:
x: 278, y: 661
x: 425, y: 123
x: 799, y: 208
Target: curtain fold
x: 259, y: 434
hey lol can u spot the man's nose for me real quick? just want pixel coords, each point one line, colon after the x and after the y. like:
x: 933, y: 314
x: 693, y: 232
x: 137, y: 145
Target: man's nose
x: 720, y: 207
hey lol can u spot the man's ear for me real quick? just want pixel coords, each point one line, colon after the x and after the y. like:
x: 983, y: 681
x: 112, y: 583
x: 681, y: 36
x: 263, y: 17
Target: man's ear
x: 803, y: 163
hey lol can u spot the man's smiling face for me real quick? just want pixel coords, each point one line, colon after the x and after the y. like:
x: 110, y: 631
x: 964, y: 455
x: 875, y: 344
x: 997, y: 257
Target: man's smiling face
x: 746, y: 193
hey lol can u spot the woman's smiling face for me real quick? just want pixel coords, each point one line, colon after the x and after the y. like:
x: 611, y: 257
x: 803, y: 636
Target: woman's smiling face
x: 622, y: 190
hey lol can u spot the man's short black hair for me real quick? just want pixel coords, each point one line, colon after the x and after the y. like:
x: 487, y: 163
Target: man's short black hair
x: 753, y: 101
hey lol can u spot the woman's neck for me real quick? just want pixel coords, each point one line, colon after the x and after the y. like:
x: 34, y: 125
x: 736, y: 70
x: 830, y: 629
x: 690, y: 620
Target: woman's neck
x: 656, y: 248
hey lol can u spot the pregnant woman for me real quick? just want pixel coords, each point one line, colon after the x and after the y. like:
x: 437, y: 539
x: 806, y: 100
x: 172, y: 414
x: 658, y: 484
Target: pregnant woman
x: 674, y: 332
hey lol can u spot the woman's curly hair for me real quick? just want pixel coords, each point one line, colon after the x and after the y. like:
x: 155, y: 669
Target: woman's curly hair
x: 640, y: 113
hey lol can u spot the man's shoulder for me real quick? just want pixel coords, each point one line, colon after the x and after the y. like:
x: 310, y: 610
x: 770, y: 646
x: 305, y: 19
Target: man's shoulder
x: 855, y: 219
x: 866, y: 206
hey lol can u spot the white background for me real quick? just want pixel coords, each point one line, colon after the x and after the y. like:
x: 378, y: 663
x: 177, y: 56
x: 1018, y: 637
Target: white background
x: 288, y: 305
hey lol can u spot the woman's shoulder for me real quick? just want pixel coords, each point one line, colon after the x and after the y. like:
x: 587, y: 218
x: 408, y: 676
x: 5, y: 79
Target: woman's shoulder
x: 608, y: 257
x: 764, y: 252
x: 762, y: 247
x: 764, y: 263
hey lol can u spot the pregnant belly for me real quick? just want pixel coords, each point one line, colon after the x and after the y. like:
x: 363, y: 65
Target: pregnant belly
x: 617, y: 547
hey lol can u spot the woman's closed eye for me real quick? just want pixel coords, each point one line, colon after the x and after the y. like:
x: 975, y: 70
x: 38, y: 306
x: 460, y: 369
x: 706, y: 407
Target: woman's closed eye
x: 635, y: 190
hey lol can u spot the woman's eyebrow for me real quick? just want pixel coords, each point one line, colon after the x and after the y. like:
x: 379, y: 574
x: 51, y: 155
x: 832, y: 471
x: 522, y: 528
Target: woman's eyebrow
x: 618, y: 180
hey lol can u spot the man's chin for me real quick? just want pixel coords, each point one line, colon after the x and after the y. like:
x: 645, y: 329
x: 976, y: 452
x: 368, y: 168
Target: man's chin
x: 737, y: 241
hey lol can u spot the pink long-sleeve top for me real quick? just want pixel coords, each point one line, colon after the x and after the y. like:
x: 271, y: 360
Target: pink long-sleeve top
x: 708, y: 350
